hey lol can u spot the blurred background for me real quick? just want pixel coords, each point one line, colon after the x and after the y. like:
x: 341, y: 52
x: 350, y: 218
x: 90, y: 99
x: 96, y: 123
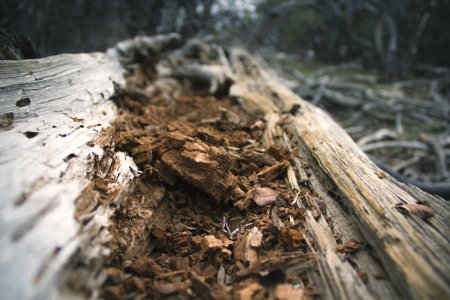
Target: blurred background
x: 381, y: 68
x: 388, y: 35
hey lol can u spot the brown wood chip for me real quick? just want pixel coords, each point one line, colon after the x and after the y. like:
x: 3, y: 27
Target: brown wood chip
x: 349, y: 246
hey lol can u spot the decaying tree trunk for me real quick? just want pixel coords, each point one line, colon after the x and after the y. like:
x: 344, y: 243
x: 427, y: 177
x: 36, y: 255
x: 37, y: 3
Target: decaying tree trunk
x: 54, y: 242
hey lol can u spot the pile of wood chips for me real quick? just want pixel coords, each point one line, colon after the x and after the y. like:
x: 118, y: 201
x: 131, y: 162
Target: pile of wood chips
x: 210, y: 216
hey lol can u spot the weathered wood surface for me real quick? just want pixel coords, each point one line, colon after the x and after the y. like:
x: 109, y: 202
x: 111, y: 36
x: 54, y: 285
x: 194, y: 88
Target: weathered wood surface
x: 50, y: 108
x: 414, y: 253
x: 338, y: 277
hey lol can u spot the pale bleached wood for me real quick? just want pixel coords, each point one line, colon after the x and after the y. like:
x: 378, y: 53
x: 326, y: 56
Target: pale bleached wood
x: 414, y: 253
x: 63, y: 101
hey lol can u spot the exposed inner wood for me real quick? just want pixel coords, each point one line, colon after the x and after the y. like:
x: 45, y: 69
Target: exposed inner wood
x: 182, y: 225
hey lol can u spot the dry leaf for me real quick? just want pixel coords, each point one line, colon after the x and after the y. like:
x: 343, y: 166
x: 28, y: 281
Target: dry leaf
x: 419, y: 210
x: 264, y: 196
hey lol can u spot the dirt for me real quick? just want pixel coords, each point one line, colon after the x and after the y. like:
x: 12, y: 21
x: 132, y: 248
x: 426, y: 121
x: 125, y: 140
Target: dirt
x: 209, y: 216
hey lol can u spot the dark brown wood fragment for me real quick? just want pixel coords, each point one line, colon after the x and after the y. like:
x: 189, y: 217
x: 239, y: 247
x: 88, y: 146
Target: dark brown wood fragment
x: 349, y: 246
x: 272, y: 172
x: 142, y: 154
x: 203, y: 166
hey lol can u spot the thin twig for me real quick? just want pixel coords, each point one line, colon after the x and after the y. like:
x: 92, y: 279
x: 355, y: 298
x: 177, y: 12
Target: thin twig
x: 396, y: 144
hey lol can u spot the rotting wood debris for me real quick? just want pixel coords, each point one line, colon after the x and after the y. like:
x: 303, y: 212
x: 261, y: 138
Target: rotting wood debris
x: 209, y: 216
x: 229, y: 204
x: 189, y: 227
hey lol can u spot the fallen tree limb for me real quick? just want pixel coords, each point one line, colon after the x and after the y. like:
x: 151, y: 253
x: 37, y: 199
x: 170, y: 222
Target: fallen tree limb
x: 394, y: 144
x: 330, y: 69
x: 377, y: 136
x: 436, y: 188
x: 441, y: 164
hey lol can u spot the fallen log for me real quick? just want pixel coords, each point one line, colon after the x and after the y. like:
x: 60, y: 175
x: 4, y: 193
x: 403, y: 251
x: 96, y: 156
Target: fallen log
x: 102, y: 210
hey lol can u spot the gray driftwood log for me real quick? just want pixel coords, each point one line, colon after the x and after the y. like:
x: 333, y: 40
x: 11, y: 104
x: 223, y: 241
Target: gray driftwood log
x: 52, y: 108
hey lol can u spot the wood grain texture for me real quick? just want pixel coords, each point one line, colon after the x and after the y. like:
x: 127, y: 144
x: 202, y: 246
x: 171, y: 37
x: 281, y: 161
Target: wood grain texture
x: 339, y: 278
x: 413, y: 252
x: 52, y: 107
